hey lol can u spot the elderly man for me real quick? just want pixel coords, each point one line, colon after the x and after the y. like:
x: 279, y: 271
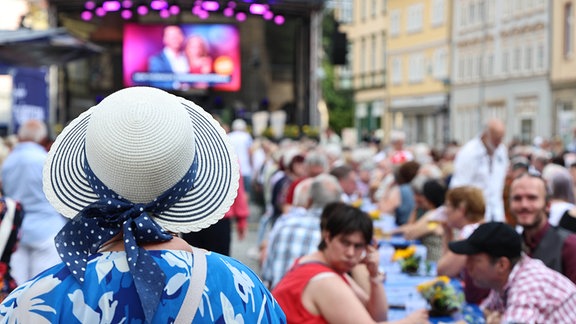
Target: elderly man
x: 22, y: 180
x: 297, y: 233
x: 483, y: 163
x: 523, y: 290
x: 529, y: 204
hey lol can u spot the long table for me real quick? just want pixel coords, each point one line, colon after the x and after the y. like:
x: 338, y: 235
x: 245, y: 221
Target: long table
x: 403, y: 297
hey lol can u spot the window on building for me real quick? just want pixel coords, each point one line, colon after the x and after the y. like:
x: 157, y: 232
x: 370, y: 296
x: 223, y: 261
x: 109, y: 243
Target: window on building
x: 384, y: 56
x: 374, y: 8
x: 472, y: 13
x: 373, y: 55
x: 416, y: 68
x: 395, y: 17
x: 415, y: 18
x: 540, y: 59
x: 440, y: 63
x: 363, y: 53
x: 346, y: 12
x: 490, y: 64
x: 363, y: 5
x: 396, y: 70
x: 384, y: 6
x: 528, y: 58
x: 469, y: 67
x: 526, y: 130
x: 437, y: 12
x: 506, y: 8
x: 517, y: 6
x: 568, y: 30
x: 481, y: 11
x: 505, y: 58
x: 460, y: 68
x: 479, y: 72
x: 516, y: 59
x: 463, y: 14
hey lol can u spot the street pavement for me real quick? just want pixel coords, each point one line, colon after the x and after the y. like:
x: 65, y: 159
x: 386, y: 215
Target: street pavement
x: 243, y: 250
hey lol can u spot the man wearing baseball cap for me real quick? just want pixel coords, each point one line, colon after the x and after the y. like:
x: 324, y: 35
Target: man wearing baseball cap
x: 523, y: 290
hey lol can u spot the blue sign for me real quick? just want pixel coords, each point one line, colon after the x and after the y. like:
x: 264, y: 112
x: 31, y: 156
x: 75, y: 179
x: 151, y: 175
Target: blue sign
x: 29, y: 96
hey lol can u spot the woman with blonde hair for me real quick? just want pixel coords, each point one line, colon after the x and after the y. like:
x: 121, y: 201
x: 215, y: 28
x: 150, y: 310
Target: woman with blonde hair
x: 464, y: 209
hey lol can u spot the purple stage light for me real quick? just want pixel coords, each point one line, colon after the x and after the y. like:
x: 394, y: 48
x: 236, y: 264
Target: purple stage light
x: 158, y: 4
x: 268, y: 15
x: 210, y: 5
x: 203, y: 14
x: 100, y: 12
x: 240, y: 16
x: 258, y: 8
x: 231, y: 4
x: 86, y: 15
x: 228, y: 12
x: 111, y: 5
x: 90, y: 5
x: 127, y: 4
x: 279, y: 20
x: 126, y: 14
x: 142, y: 10
x: 174, y: 10
x: 164, y: 13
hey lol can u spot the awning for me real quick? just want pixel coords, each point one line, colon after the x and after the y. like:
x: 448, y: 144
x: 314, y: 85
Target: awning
x: 429, y: 104
x: 36, y: 48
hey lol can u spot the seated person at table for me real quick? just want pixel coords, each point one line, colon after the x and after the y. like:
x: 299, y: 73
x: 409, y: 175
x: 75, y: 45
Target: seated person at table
x: 523, y: 290
x: 429, y: 197
x: 318, y: 288
x: 529, y: 204
x: 464, y: 212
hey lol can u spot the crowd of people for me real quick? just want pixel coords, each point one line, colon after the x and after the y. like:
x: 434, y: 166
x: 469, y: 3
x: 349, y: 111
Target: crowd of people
x: 128, y: 216
x: 436, y: 197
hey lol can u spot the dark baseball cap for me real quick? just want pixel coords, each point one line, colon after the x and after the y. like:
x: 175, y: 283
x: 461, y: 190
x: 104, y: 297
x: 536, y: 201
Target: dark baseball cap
x: 494, y: 238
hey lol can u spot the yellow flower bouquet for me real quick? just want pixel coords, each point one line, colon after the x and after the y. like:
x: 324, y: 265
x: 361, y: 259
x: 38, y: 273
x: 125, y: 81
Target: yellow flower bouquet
x: 407, y: 258
x: 441, y: 295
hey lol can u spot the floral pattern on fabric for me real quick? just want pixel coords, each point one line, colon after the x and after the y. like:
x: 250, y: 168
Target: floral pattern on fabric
x: 232, y: 293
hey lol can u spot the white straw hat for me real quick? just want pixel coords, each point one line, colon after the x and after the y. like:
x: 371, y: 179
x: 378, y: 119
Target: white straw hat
x: 140, y: 142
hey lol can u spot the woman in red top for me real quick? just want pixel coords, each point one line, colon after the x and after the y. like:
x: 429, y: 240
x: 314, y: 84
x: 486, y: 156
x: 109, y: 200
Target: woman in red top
x: 318, y: 288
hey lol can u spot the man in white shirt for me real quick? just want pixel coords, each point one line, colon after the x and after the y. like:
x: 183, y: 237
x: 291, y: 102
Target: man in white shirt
x: 242, y: 143
x: 483, y: 163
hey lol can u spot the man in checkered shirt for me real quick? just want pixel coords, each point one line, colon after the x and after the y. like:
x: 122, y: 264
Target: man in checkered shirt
x: 524, y: 290
x: 297, y: 232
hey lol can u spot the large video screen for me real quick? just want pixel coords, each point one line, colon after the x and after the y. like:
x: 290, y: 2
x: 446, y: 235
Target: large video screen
x: 182, y: 57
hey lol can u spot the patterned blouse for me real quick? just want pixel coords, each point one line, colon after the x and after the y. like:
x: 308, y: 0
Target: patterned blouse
x: 232, y: 293
x: 7, y: 283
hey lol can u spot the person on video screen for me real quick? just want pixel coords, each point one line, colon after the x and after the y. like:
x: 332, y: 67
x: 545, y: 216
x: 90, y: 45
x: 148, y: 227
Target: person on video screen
x: 172, y: 58
x: 198, y: 54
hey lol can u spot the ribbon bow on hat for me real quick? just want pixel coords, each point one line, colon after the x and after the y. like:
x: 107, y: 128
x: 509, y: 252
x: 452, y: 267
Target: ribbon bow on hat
x: 102, y: 220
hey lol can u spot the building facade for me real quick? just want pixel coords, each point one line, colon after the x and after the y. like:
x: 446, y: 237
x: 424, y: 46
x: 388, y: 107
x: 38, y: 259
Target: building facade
x: 366, y: 70
x: 501, y: 65
x: 563, y: 69
x: 418, y: 50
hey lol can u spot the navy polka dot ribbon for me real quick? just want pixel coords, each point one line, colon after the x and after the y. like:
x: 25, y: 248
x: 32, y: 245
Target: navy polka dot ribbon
x: 102, y: 220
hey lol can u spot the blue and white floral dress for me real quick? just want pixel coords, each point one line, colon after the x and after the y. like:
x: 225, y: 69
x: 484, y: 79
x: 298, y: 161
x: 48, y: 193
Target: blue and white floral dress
x: 232, y: 293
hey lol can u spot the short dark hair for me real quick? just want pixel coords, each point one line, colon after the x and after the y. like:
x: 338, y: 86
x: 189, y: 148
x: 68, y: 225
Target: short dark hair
x: 340, y: 218
x: 341, y: 171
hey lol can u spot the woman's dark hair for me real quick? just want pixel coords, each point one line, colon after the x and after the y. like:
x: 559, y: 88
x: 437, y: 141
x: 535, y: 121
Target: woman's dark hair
x: 406, y: 172
x: 435, y: 191
x: 340, y: 218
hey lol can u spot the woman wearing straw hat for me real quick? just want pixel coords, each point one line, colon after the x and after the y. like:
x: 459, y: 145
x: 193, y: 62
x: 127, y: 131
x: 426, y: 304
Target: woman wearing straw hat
x: 132, y: 172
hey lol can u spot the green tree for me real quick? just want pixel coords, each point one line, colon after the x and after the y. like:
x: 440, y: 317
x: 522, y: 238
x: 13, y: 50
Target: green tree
x: 340, y: 101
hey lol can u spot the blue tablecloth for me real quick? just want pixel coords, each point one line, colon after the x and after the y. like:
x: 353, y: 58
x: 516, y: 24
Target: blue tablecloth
x: 401, y: 288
